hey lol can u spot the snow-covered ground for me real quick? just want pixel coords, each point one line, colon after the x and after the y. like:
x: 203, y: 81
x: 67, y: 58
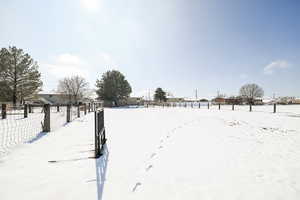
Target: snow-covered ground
x: 163, y: 153
x: 57, y: 165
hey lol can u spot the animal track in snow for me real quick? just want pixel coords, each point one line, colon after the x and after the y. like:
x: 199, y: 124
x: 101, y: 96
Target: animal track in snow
x: 149, y: 167
x: 135, y: 187
x: 152, y: 155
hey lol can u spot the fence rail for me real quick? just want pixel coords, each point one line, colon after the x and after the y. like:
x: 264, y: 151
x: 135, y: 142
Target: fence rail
x: 274, y: 108
x: 100, y: 138
x: 26, y: 123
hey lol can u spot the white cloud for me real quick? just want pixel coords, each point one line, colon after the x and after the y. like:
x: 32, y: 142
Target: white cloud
x: 279, y: 64
x: 66, y: 65
x: 90, y: 5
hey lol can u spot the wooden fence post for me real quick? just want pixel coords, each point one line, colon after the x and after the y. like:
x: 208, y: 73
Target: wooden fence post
x: 3, y: 111
x: 30, y: 108
x: 78, y: 111
x: 25, y: 111
x: 85, y: 109
x: 250, y: 108
x: 68, y: 113
x: 207, y: 105
x: 199, y: 104
x: 232, y: 106
x: 219, y: 106
x: 57, y: 108
x: 274, y: 109
x: 89, y: 107
x: 46, y: 127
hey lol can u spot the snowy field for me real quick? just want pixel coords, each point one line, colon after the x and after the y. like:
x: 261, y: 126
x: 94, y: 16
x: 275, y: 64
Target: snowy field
x: 163, y: 153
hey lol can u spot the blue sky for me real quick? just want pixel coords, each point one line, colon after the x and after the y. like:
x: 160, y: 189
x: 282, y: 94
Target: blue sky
x: 179, y: 45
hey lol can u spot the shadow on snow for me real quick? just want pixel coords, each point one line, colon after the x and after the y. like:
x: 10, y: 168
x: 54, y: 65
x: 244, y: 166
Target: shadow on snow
x: 37, y: 137
x: 101, y: 165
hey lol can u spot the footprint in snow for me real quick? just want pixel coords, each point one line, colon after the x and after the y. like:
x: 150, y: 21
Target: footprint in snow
x: 149, y: 167
x: 135, y: 187
x: 152, y: 155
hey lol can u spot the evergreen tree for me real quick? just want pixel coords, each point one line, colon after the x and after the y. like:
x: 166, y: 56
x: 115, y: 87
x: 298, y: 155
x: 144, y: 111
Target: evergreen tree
x: 113, y: 87
x: 19, y: 75
x: 160, y: 95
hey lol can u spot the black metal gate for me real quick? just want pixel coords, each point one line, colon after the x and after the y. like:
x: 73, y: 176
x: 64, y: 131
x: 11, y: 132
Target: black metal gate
x: 99, y: 132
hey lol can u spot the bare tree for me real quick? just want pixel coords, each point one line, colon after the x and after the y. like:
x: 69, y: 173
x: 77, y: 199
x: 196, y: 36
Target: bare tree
x: 74, y: 87
x: 251, y: 91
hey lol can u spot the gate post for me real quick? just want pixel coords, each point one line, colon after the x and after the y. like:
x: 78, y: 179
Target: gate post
x: 68, y: 113
x: 25, y: 110
x: 30, y: 108
x: 3, y: 111
x: 78, y: 111
x: 96, y: 133
x: 46, y: 127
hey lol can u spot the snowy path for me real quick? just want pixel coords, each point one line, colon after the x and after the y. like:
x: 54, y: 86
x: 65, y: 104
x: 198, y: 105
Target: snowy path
x: 156, y: 153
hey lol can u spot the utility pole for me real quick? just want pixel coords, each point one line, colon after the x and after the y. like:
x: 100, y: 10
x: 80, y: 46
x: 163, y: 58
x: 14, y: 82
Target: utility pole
x: 196, y: 94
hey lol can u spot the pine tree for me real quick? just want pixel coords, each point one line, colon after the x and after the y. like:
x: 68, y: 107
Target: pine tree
x: 19, y: 75
x: 160, y: 95
x: 113, y: 87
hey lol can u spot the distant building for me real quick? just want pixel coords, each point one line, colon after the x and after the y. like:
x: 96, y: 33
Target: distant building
x: 258, y: 102
x: 203, y: 100
x: 175, y: 99
x: 56, y: 99
x: 135, y: 101
x: 234, y: 100
x: 219, y: 100
x: 285, y: 100
x: 296, y: 101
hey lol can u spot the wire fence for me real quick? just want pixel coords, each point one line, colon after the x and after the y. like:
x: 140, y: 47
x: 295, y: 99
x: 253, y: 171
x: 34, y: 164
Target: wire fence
x: 289, y: 110
x: 27, y: 123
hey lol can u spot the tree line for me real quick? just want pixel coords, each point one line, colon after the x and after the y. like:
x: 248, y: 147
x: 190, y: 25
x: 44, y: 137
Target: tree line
x: 20, y: 80
x: 248, y: 91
